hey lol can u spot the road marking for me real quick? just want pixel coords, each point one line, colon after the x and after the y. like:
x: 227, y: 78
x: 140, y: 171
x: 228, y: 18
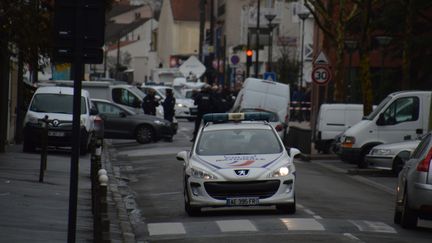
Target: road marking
x: 312, y: 213
x: 235, y: 225
x: 166, y: 229
x: 352, y: 237
x: 371, y: 226
x: 302, y: 224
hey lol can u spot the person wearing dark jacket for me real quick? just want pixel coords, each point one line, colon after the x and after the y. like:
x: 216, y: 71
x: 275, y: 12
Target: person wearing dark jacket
x: 205, y: 104
x: 150, y: 103
x: 168, y: 105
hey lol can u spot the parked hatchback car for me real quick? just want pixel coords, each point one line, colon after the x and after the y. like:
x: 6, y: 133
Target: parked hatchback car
x: 122, y: 123
x: 414, y: 188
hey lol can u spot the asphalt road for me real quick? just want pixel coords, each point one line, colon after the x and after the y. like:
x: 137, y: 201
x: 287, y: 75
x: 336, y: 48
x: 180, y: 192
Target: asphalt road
x: 333, y: 206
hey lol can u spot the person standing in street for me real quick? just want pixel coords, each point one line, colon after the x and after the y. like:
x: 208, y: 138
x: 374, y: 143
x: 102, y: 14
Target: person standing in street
x: 204, y: 102
x: 150, y: 103
x: 168, y: 105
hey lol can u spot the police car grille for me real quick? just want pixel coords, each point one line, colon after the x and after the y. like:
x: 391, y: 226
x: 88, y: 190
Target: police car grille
x: 260, y: 189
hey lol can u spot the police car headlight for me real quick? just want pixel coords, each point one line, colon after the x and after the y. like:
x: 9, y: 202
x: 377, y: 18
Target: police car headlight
x: 201, y: 174
x: 282, y: 171
x: 32, y: 119
x: 180, y: 105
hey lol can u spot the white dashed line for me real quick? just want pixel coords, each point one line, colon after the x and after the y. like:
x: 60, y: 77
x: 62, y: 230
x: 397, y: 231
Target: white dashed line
x: 235, y: 225
x: 352, y: 237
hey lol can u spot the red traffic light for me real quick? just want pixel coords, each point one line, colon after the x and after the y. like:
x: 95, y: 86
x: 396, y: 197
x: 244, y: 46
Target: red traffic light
x: 249, y: 53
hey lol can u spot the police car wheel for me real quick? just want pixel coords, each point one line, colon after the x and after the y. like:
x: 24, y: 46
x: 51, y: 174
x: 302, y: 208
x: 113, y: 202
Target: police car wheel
x: 190, y: 210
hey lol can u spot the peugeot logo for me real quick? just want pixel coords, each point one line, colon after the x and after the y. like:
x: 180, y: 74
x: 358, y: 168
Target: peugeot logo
x: 241, y: 172
x: 55, y: 123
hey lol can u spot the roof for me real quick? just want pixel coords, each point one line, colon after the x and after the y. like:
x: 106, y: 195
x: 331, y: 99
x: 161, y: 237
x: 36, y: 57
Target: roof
x: 114, y: 30
x: 120, y: 8
x: 187, y: 10
x: 238, y: 125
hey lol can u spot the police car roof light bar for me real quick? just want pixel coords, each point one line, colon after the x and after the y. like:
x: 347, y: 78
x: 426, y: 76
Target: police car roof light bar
x: 225, y: 117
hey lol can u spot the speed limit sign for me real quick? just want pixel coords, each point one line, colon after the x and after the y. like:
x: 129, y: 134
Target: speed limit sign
x: 321, y: 75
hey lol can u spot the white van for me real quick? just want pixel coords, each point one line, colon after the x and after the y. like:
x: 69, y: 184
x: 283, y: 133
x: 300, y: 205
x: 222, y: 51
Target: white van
x: 265, y: 95
x: 332, y: 120
x: 57, y: 104
x: 400, y: 116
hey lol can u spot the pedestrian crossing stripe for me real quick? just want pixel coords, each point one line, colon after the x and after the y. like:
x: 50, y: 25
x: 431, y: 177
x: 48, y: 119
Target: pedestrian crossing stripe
x: 266, y: 225
x: 235, y: 225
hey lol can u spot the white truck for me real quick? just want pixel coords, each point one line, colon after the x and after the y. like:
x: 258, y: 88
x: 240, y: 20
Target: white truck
x: 403, y: 115
x: 265, y: 95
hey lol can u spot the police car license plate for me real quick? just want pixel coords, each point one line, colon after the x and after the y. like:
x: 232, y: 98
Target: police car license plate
x: 242, y: 201
x: 55, y: 134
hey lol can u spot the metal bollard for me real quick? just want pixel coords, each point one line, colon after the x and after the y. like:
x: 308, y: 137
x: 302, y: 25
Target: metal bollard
x: 103, y: 185
x: 43, y: 162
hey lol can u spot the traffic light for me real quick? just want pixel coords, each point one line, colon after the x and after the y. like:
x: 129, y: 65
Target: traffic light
x: 249, y: 54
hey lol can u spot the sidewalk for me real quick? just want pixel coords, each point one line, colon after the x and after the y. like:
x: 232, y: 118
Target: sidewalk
x: 38, y: 212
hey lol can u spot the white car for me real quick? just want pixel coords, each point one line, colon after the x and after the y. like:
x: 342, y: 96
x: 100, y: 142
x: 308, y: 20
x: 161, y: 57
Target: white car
x: 184, y: 108
x: 391, y: 156
x: 237, y: 163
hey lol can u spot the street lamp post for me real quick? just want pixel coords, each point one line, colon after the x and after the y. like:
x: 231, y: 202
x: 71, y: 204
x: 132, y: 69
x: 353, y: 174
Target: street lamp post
x: 270, y: 18
x: 350, y: 45
x: 303, y: 16
x: 383, y: 42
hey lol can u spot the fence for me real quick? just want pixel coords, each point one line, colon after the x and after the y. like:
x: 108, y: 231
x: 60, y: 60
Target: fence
x: 300, y: 110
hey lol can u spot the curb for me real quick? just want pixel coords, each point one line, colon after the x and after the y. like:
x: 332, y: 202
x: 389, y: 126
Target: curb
x: 310, y: 157
x: 119, y: 213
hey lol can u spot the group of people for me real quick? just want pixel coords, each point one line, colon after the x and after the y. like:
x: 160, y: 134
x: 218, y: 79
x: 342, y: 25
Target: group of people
x: 211, y: 99
x: 150, y: 103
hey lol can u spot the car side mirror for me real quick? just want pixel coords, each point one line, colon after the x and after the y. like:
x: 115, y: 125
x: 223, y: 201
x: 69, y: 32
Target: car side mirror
x: 381, y: 120
x: 93, y: 111
x: 404, y: 155
x: 182, y: 155
x: 122, y: 114
x: 137, y: 104
x: 293, y: 152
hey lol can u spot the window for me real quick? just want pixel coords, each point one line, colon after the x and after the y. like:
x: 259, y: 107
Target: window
x: 108, y: 109
x: 56, y: 103
x: 238, y: 142
x: 402, y: 110
x: 125, y: 97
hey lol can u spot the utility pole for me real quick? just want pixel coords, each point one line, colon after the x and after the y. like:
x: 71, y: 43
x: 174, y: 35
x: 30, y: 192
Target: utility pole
x: 257, y: 40
x: 201, y: 29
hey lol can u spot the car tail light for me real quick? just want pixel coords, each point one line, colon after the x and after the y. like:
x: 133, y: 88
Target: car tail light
x: 424, y: 164
x: 287, y: 118
x: 279, y: 127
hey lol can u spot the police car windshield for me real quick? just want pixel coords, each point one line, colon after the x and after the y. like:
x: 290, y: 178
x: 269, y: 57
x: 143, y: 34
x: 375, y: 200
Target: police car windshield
x: 238, y: 141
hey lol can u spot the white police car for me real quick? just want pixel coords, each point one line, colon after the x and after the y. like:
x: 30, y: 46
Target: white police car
x: 238, y: 159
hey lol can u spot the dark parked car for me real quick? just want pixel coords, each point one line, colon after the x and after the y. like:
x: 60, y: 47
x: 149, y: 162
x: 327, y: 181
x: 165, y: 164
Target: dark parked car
x: 122, y: 123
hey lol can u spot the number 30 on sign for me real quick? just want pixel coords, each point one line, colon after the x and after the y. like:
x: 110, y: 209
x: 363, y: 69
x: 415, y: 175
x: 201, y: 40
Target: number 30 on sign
x: 321, y: 75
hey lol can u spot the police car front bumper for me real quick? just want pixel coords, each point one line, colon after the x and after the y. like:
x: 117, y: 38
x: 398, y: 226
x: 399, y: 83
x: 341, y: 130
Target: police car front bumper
x: 269, y: 191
